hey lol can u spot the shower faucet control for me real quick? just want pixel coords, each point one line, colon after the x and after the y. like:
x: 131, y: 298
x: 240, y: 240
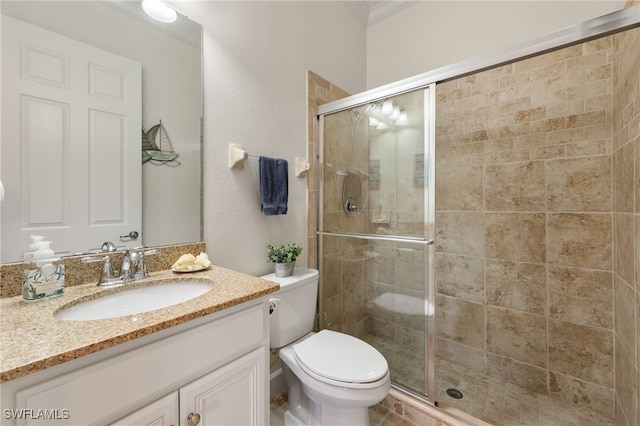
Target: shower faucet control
x: 350, y: 207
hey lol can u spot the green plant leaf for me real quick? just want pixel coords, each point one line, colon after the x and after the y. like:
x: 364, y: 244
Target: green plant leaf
x: 283, y: 254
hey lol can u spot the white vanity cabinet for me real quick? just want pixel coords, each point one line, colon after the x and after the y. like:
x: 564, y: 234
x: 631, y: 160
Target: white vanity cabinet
x: 214, y: 368
x: 230, y: 395
x: 163, y: 412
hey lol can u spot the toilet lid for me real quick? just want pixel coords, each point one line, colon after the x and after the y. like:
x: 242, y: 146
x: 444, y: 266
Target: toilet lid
x: 340, y: 357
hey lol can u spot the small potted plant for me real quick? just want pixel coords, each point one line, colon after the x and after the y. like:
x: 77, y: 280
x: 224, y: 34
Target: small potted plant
x: 284, y: 257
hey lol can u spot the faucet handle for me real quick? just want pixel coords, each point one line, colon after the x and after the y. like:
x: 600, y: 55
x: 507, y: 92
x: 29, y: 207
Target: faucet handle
x: 107, y: 275
x: 137, y: 260
x: 127, y: 267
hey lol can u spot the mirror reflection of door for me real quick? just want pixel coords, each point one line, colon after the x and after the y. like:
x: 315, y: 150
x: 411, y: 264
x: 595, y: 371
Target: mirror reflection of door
x: 70, y: 142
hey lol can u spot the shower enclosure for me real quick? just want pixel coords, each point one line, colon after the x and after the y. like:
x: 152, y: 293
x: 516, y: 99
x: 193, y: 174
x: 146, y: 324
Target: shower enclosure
x: 519, y: 311
x: 376, y: 229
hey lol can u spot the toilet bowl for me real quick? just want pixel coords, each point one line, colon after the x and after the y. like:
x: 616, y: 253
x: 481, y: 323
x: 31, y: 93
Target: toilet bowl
x: 338, y: 376
x: 332, y: 378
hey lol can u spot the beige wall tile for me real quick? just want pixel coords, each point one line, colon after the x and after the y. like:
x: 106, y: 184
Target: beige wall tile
x: 624, y: 185
x: 579, y: 239
x: 579, y: 184
x: 637, y: 261
x: 460, y: 276
x: 579, y: 149
x: 525, y: 375
x: 517, y: 335
x: 515, y: 236
x: 354, y: 291
x: 515, y: 186
x: 624, y: 250
x: 556, y: 111
x: 411, y: 338
x: 459, y: 188
x: 516, y: 285
x: 460, y: 354
x: 637, y: 151
x: 332, y: 309
x: 583, y: 296
x: 460, y: 233
x: 581, y: 393
x: 460, y: 321
x: 625, y: 192
x: 331, y: 279
x: 581, y: 351
x: 382, y: 267
x: 382, y: 328
x: 626, y: 381
x: 625, y: 308
x: 410, y: 268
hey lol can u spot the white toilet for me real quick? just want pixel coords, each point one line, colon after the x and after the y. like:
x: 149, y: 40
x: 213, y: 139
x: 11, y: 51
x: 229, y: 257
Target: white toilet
x: 332, y: 378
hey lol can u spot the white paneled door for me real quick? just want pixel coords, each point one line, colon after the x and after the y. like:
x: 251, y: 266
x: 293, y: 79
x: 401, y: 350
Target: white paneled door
x: 71, y: 142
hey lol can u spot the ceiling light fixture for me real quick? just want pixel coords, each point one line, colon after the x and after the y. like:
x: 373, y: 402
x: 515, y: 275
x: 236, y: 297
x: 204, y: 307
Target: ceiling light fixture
x: 159, y: 11
x: 403, y: 119
x: 387, y: 107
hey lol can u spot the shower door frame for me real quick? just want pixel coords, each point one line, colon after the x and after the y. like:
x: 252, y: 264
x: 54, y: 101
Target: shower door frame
x: 427, y: 240
x: 615, y: 22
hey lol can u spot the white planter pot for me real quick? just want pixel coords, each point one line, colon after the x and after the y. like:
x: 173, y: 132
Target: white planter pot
x: 284, y: 269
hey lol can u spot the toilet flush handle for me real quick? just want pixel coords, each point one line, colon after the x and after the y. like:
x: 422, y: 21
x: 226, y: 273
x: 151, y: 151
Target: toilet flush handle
x: 273, y: 304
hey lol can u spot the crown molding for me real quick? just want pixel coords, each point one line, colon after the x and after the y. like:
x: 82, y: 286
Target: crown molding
x: 387, y: 8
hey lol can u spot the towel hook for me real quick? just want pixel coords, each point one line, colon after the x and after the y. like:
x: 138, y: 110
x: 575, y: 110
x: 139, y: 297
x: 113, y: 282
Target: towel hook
x: 302, y: 167
x: 237, y: 156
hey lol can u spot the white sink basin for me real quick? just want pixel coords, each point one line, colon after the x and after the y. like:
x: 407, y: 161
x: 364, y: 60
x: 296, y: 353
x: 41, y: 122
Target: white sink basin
x: 135, y: 301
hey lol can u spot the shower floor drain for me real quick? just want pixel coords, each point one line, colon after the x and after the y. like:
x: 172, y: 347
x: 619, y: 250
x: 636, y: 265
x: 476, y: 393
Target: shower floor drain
x: 454, y: 393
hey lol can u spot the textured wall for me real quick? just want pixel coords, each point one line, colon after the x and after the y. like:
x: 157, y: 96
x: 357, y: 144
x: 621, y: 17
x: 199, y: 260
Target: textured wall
x: 256, y: 57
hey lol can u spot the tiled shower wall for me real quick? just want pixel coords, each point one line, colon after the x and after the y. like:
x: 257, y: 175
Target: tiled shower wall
x: 525, y: 222
x: 626, y: 222
x: 319, y: 91
x: 343, y: 262
x: 538, y: 226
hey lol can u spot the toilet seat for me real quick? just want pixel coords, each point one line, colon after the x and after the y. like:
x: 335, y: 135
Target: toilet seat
x: 340, y: 359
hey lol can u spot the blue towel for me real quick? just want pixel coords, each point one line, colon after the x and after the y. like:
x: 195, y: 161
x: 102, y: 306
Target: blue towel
x: 274, y: 185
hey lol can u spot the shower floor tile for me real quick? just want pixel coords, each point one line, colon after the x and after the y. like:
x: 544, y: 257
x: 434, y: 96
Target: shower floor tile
x: 500, y: 403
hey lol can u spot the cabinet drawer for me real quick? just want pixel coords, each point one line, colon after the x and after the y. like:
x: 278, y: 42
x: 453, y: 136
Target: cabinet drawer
x: 114, y: 387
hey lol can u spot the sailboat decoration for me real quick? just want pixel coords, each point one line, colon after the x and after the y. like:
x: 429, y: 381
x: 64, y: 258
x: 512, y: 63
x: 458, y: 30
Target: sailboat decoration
x: 157, y: 147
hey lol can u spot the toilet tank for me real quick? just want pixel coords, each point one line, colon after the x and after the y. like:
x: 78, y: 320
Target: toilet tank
x: 294, y: 306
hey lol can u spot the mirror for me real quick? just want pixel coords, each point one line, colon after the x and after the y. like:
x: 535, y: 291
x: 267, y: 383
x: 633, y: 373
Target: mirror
x: 171, y: 67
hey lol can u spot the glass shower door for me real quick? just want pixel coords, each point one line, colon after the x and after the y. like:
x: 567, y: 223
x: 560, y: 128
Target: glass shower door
x: 376, y: 230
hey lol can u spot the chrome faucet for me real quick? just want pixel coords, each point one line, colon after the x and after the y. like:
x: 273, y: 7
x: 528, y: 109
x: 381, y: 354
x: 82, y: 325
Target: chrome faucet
x: 107, y: 275
x: 133, y: 265
x: 132, y: 268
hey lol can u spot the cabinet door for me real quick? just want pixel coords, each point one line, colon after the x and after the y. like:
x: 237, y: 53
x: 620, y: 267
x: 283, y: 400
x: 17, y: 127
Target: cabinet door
x: 235, y: 394
x: 163, y: 412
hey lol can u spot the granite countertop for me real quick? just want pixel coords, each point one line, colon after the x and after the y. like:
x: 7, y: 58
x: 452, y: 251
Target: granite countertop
x: 32, y: 339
